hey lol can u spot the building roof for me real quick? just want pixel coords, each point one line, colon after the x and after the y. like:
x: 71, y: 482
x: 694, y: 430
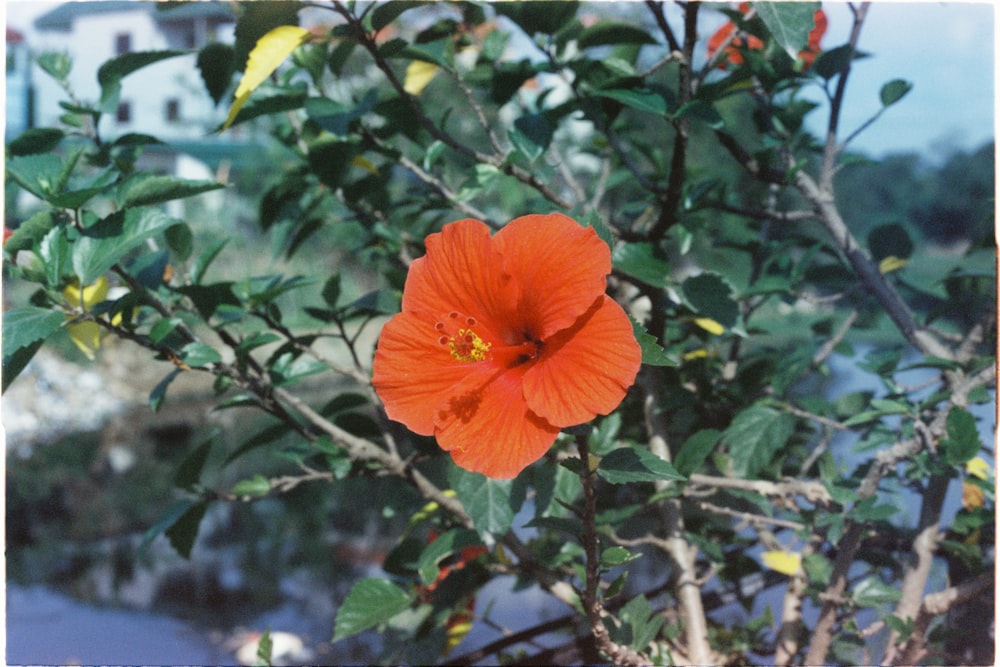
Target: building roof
x: 61, y: 18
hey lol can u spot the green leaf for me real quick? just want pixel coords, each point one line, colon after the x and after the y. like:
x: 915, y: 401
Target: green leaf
x: 539, y: 16
x: 217, y: 63
x: 873, y: 592
x: 371, y: 602
x: 189, y: 471
x: 641, y: 99
x: 754, y: 436
x: 643, y: 262
x: 653, y: 353
x: 631, y: 464
x: 890, y: 240
x: 30, y: 232
x: 708, y: 294
x: 894, y: 91
x: 695, y: 450
x: 615, y: 556
x: 702, y: 112
x: 834, y: 61
x: 385, y: 13
x: 144, y: 189
x: 205, y: 260
x: 962, y: 441
x: 488, y: 501
x: 446, y: 544
x: 256, y: 486
x: 199, y: 354
x: 16, y: 362
x: 111, y: 73
x: 35, y: 140
x: 613, y: 33
x: 183, y: 533
x: 24, y: 326
x: 789, y: 22
x: 38, y: 174
x: 160, y: 390
x: 105, y: 244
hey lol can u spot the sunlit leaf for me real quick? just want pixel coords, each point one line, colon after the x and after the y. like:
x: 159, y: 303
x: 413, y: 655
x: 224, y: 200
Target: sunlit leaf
x: 977, y: 467
x: 24, y: 326
x: 785, y: 562
x: 710, y: 325
x: 892, y: 263
x: 789, y: 22
x: 271, y: 50
x: 755, y: 436
x: 370, y: 603
x: 418, y: 74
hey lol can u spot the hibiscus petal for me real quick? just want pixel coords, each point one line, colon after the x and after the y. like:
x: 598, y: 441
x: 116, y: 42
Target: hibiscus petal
x: 460, y: 272
x: 487, y: 427
x: 585, y: 370
x: 560, y: 269
x: 412, y: 371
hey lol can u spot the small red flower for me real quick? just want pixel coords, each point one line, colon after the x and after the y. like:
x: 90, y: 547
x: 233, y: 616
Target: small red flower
x: 504, y: 340
x: 732, y: 52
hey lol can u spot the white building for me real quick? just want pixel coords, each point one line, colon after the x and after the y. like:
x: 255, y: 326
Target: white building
x: 166, y: 99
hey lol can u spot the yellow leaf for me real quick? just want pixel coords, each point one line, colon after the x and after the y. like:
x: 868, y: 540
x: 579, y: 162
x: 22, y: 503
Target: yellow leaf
x: 709, y: 325
x: 785, y: 562
x: 364, y: 163
x: 977, y: 467
x: 972, y: 496
x: 456, y: 631
x: 892, y: 263
x: 92, y: 295
x: 269, y: 52
x: 700, y: 353
x: 86, y: 336
x: 418, y: 75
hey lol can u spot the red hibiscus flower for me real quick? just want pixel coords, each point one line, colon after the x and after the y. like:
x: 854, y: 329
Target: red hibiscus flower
x: 732, y: 52
x: 504, y: 340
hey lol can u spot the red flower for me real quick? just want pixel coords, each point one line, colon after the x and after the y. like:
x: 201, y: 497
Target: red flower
x: 504, y: 340
x: 732, y: 52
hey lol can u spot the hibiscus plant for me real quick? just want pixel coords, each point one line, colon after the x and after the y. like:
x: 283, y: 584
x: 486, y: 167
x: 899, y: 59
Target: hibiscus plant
x: 576, y: 277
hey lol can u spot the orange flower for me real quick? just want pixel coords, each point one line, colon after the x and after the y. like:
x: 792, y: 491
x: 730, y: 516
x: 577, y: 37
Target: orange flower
x: 504, y: 340
x: 733, y: 55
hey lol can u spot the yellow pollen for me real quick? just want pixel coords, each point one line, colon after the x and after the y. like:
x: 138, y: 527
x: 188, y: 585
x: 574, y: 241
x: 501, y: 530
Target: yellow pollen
x: 467, y: 346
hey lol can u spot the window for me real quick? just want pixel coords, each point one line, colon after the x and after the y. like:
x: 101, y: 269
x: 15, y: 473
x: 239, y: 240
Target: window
x: 172, y: 110
x: 124, y: 113
x: 123, y: 43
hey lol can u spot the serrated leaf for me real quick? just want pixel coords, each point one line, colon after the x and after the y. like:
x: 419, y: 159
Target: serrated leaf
x: 653, y: 353
x: 371, y: 602
x: 145, y: 189
x: 270, y: 51
x: 643, y: 262
x: 24, y: 326
x: 108, y: 241
x: 631, y: 464
x: 217, y: 63
x: 789, y: 22
x: 893, y: 91
x: 488, y: 501
x: 755, y: 436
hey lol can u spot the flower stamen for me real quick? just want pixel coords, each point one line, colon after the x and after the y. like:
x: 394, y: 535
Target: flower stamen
x: 464, y: 344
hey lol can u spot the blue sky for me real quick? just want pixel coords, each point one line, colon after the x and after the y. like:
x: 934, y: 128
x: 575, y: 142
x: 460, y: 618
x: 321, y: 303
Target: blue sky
x: 947, y: 50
